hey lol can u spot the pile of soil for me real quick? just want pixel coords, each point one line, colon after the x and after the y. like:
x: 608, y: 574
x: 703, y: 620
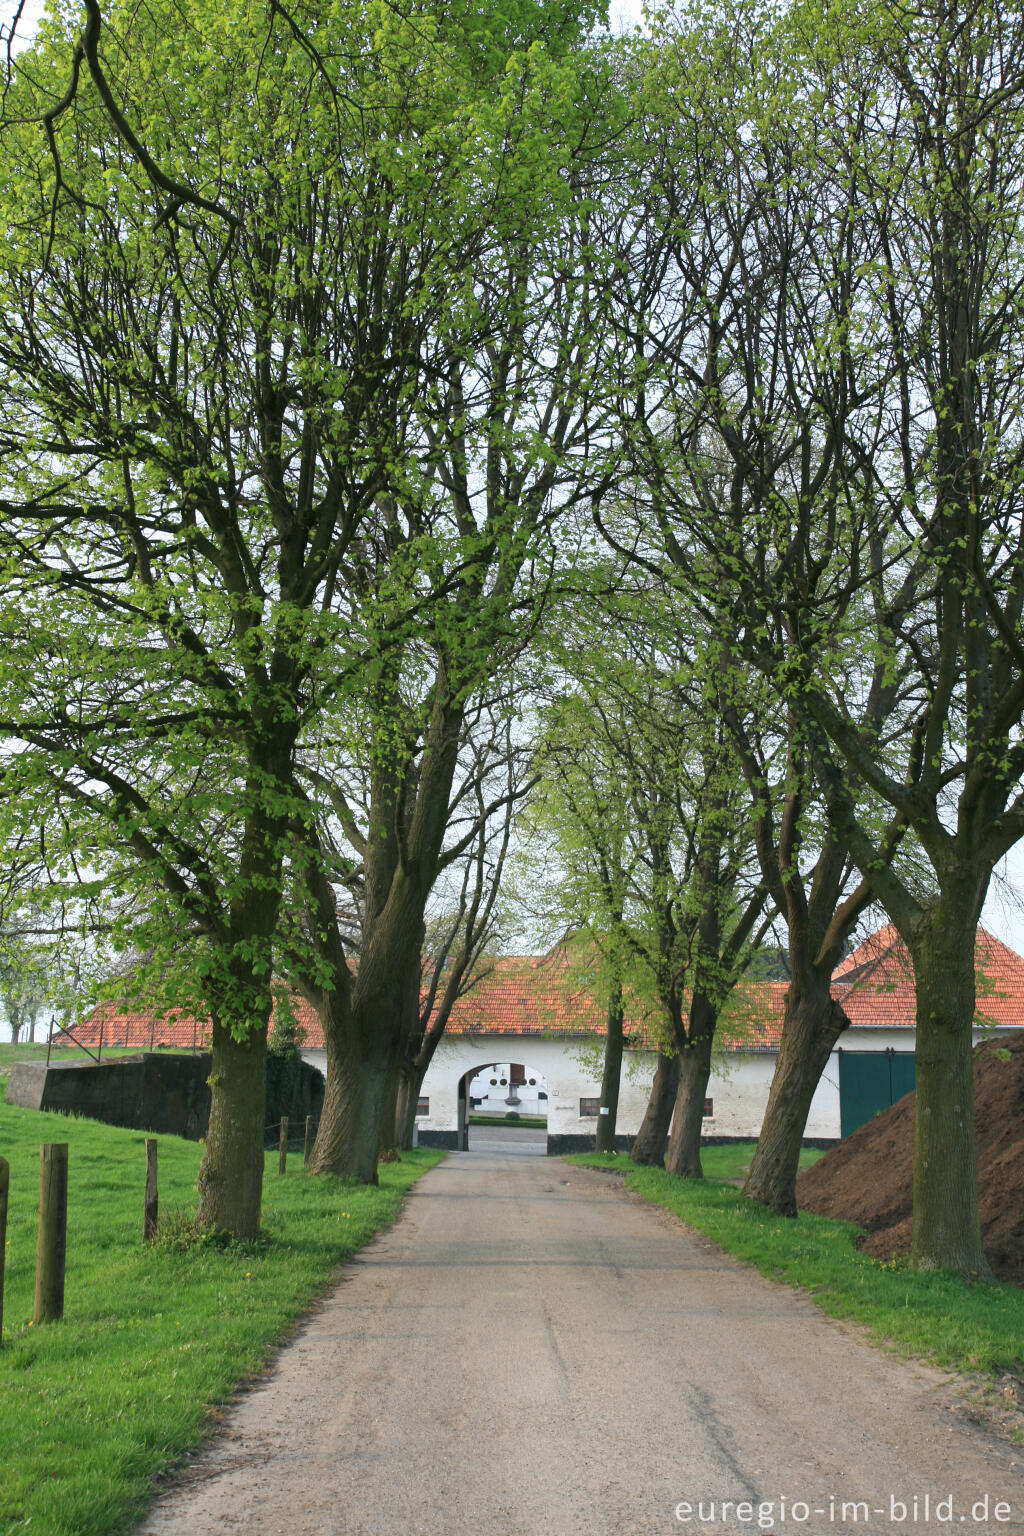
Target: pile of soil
x: 868, y: 1177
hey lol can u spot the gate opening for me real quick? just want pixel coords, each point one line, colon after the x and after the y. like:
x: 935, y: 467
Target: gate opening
x: 503, y: 1107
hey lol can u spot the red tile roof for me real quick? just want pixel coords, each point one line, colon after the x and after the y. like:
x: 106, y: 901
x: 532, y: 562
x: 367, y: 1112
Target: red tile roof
x: 876, y: 983
x: 548, y: 995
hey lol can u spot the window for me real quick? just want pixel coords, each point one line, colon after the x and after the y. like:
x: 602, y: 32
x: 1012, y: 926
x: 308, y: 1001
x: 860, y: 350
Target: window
x: 709, y: 1109
x: 423, y: 1105
x: 589, y: 1108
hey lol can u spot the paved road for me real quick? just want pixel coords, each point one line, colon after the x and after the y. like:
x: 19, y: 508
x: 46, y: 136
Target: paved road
x: 532, y: 1352
x: 526, y: 1140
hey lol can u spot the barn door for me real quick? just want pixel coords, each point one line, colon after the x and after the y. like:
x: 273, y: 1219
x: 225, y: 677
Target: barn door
x: 870, y: 1081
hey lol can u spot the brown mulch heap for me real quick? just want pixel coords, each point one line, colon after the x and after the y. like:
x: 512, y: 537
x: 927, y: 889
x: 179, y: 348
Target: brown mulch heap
x: 868, y: 1177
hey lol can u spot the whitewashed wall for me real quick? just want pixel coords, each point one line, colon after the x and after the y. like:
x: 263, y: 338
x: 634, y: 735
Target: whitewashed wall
x: 570, y: 1070
x: 573, y: 1071
x: 557, y: 1062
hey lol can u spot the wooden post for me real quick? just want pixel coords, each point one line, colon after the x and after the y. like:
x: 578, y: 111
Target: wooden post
x: 152, y: 1198
x: 5, y: 1184
x: 51, y: 1248
x: 283, y: 1154
x: 307, y: 1146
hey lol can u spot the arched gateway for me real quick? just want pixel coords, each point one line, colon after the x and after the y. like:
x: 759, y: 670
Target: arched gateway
x: 503, y: 1105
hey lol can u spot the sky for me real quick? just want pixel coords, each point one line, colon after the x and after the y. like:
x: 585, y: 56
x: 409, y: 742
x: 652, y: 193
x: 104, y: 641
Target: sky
x: 1003, y: 914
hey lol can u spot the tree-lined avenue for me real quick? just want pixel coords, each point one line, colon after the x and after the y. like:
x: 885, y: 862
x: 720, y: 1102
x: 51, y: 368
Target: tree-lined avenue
x: 530, y: 1351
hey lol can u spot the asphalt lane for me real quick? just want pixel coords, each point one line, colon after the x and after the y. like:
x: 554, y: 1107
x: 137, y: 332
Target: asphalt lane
x: 521, y: 1140
x: 530, y: 1351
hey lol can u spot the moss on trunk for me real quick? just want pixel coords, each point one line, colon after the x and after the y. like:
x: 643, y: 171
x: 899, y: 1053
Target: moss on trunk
x: 947, y: 1230
x: 231, y: 1174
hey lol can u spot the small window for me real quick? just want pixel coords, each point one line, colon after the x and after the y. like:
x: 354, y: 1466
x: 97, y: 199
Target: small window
x: 589, y: 1108
x: 709, y: 1109
x: 423, y: 1105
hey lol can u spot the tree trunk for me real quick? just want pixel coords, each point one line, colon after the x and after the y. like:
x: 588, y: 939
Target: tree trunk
x: 390, y: 1132
x: 811, y: 1026
x: 405, y: 1114
x: 612, y: 1072
x: 683, y: 1156
x: 366, y: 1025
x: 396, y: 1110
x: 231, y: 1175
x: 947, y: 1229
x: 649, y: 1146
x: 359, y: 1077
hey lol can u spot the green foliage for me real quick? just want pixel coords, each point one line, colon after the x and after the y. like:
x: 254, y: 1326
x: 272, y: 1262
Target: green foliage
x: 154, y: 1337
x: 220, y: 444
x: 640, y: 801
x: 768, y: 963
x: 286, y: 1035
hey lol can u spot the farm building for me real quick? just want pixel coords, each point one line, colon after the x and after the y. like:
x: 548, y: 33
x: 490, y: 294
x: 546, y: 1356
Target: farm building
x: 527, y: 1038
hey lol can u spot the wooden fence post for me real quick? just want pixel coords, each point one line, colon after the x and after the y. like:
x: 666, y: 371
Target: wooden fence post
x: 51, y: 1248
x: 152, y: 1205
x: 5, y: 1184
x: 283, y: 1153
x: 307, y: 1146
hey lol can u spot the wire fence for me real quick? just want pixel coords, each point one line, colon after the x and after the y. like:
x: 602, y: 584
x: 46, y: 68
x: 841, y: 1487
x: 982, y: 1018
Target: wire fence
x: 297, y: 1133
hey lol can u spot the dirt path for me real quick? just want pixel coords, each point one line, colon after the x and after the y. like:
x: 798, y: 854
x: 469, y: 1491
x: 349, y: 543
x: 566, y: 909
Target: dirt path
x: 532, y: 1352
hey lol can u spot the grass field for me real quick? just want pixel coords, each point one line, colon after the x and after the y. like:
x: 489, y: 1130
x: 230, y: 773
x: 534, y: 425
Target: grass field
x: 938, y: 1316
x: 9, y: 1054
x: 153, y: 1338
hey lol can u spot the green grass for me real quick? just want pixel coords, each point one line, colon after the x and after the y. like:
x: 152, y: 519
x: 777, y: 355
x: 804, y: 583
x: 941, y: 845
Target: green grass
x: 732, y: 1161
x: 152, y: 1338
x: 11, y: 1054
x: 937, y: 1316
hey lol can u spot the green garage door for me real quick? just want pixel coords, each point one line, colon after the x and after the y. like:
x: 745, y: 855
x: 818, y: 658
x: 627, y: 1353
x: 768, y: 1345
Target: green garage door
x: 869, y: 1081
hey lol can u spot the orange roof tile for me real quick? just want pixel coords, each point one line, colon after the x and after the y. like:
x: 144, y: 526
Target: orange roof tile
x: 531, y: 995
x: 875, y: 984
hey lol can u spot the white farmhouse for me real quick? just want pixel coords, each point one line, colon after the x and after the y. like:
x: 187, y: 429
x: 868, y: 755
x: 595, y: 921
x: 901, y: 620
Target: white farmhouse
x: 527, y: 1040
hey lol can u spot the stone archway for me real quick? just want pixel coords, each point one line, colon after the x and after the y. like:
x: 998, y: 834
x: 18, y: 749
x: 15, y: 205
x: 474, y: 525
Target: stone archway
x: 504, y: 1106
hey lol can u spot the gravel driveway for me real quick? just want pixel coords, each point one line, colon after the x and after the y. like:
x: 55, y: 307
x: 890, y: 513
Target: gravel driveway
x: 531, y: 1351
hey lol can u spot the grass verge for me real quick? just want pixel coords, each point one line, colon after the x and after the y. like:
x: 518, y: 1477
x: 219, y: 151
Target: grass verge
x: 155, y: 1337
x: 937, y: 1316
